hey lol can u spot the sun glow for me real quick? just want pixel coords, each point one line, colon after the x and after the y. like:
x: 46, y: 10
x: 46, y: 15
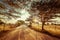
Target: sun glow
x: 24, y: 15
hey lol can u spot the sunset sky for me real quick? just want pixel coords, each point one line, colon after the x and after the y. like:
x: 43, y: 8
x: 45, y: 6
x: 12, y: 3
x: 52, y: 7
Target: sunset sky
x: 23, y: 11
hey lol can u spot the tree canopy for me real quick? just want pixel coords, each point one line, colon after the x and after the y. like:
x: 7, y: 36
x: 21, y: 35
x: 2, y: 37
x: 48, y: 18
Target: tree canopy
x: 47, y: 9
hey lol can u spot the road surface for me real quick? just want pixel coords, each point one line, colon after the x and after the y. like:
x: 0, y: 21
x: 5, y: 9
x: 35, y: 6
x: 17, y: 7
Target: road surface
x: 25, y: 33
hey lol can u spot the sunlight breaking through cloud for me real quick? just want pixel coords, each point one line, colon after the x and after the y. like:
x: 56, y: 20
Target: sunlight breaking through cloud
x: 17, y: 10
x: 24, y: 15
x: 12, y: 13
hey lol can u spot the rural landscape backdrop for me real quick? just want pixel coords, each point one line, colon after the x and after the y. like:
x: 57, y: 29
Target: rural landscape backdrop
x: 29, y: 19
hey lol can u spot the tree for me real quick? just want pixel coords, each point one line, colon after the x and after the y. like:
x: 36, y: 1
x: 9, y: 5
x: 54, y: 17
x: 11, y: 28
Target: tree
x: 19, y: 22
x: 47, y: 10
x: 1, y: 22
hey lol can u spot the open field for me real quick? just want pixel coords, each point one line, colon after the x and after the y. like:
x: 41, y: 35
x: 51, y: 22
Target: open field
x: 52, y: 29
x: 26, y: 33
x: 6, y: 27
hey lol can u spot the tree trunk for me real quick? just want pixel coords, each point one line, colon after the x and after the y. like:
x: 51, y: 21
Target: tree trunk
x: 3, y: 27
x: 43, y: 23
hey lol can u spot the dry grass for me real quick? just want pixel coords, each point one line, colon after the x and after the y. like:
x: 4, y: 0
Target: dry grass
x: 5, y: 28
x: 52, y: 29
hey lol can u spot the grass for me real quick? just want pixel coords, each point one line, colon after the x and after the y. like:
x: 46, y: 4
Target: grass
x: 5, y: 28
x: 52, y: 29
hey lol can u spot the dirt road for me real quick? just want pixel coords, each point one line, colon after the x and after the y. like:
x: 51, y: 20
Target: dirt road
x: 25, y: 33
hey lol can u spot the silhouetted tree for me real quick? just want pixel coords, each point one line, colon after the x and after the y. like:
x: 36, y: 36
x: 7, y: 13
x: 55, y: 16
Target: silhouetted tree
x: 19, y: 22
x: 1, y: 22
x: 47, y: 9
